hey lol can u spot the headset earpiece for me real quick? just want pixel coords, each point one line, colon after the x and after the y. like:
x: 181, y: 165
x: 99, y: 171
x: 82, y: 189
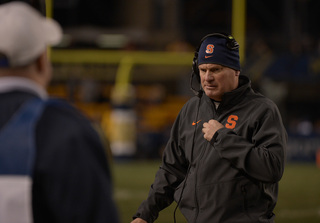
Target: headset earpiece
x: 232, y: 44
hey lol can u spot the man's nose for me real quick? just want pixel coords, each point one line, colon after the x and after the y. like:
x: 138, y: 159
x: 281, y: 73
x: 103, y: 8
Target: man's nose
x: 209, y: 76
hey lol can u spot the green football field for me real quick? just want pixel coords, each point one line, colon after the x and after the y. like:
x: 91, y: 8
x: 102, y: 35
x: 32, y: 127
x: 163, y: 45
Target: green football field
x: 299, y: 194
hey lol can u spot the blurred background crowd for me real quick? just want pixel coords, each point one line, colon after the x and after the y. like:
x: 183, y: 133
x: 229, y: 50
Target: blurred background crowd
x: 282, y: 58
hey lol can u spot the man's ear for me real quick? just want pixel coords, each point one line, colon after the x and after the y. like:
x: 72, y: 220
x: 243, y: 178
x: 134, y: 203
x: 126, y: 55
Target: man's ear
x: 41, y: 62
x: 42, y: 69
x: 237, y: 73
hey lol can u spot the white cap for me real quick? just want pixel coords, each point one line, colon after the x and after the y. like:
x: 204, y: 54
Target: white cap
x: 24, y: 34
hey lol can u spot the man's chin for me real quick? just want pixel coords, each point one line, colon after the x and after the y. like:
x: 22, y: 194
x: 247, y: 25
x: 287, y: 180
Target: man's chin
x: 209, y: 91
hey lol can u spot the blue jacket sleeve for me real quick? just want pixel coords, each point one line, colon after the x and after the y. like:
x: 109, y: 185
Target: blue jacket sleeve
x: 72, y: 180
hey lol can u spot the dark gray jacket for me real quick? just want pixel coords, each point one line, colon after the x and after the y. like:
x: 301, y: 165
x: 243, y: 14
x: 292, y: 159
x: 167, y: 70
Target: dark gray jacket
x: 232, y: 179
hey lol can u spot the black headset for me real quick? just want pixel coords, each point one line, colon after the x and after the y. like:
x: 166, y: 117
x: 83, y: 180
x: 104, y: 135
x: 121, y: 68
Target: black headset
x: 231, y: 44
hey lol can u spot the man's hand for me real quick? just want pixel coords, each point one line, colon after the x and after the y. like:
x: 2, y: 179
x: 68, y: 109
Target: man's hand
x: 139, y: 220
x: 210, y: 128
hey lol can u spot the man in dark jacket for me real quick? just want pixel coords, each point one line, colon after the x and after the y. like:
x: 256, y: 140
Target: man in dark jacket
x: 53, y: 166
x: 226, y: 152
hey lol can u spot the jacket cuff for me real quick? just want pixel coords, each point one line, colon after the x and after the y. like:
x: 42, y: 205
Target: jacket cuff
x: 214, y: 137
x: 138, y: 215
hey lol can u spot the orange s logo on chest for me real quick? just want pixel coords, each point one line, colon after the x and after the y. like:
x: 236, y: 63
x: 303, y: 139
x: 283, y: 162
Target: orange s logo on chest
x: 232, y: 121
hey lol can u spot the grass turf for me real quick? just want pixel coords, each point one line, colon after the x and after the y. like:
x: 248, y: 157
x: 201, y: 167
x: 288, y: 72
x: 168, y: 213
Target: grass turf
x: 299, y: 192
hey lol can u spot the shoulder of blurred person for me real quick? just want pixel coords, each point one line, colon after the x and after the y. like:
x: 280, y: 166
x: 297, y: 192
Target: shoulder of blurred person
x: 71, y: 176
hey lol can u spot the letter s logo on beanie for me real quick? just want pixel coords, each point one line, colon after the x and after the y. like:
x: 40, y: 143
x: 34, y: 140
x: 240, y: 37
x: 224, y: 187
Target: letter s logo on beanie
x: 210, y: 48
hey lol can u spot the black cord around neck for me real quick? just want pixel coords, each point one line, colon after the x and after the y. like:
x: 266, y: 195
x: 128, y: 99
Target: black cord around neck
x: 195, y: 91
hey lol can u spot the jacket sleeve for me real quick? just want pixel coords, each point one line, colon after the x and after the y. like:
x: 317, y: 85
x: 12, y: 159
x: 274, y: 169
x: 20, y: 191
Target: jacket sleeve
x: 170, y: 174
x: 261, y: 157
x: 72, y: 181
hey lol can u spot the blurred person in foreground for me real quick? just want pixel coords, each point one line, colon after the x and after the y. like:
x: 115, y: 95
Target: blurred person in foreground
x: 53, y: 167
x: 226, y: 152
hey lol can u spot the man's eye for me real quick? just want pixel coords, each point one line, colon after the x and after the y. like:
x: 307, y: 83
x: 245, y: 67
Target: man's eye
x: 217, y: 70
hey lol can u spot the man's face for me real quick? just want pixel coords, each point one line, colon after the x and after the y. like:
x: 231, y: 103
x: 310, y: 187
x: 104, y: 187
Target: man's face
x: 217, y: 80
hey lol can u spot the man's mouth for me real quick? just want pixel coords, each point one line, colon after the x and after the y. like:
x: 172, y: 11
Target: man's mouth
x: 211, y: 87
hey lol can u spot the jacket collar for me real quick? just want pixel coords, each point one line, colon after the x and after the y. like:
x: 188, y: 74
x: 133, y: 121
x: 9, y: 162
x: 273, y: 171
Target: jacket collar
x: 8, y: 84
x: 233, y: 97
